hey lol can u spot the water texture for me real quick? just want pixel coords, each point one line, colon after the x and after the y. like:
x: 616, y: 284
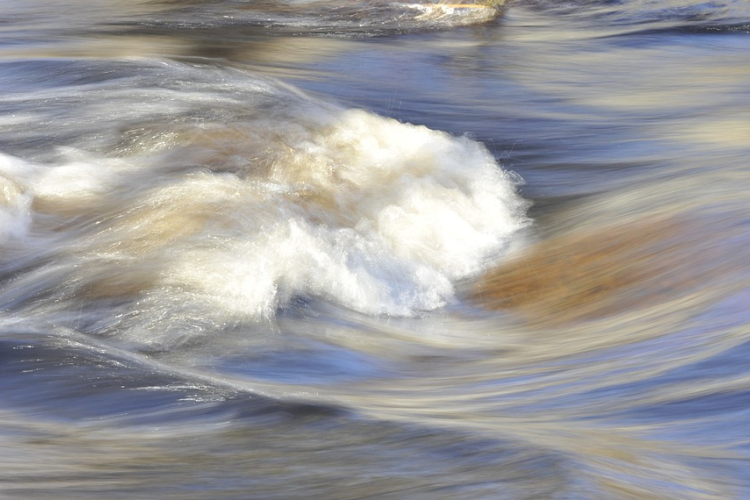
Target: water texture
x: 374, y: 250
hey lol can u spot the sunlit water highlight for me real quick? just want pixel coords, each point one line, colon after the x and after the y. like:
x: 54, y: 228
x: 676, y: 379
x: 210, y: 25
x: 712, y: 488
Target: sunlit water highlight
x: 339, y: 250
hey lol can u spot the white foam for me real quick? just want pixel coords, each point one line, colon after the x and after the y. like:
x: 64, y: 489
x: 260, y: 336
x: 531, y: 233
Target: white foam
x: 375, y: 215
x: 371, y: 213
x: 76, y: 180
x: 15, y: 199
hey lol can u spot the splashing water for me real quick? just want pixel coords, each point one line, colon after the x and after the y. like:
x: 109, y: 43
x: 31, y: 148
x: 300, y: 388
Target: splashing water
x: 341, y: 250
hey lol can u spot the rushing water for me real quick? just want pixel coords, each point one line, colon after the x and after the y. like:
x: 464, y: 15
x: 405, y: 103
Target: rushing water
x: 367, y: 250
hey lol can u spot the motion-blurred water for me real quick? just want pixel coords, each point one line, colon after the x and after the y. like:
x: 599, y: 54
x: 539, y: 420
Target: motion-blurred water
x: 349, y: 250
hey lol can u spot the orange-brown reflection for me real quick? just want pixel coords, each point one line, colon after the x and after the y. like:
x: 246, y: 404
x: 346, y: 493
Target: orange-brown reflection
x: 591, y: 273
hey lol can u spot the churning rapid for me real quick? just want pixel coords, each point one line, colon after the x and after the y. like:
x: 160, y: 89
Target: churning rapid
x: 230, y: 195
x: 374, y: 249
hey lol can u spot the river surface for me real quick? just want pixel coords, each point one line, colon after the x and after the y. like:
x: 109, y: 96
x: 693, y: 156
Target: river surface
x: 361, y: 250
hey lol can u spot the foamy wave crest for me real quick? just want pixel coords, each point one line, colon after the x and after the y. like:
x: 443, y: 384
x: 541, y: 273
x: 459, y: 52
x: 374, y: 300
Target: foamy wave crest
x: 15, y: 202
x: 371, y: 213
x: 286, y: 200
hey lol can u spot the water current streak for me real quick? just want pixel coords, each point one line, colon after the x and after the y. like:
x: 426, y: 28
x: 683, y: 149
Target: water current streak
x: 374, y: 249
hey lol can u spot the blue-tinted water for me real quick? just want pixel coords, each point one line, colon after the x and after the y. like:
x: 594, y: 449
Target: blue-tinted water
x: 349, y: 250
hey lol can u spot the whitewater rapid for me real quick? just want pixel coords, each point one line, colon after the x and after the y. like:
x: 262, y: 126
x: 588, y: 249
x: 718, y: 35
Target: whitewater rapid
x: 234, y: 198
